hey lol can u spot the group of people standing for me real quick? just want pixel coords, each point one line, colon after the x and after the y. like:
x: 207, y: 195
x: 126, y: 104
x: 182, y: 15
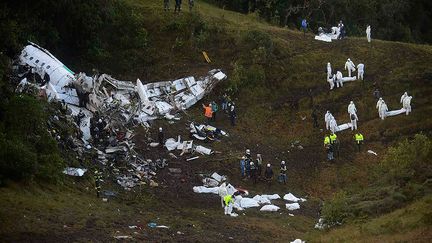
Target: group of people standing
x: 178, y: 4
x: 227, y: 107
x: 252, y: 169
x: 336, y: 76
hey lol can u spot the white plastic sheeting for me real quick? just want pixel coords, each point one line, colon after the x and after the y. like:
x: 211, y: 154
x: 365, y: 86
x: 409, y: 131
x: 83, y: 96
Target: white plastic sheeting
x: 203, y: 189
x: 248, y: 203
x: 271, y: 197
x: 292, y: 206
x: 290, y: 197
x: 269, y: 208
x: 298, y: 241
x: 74, y: 171
x: 261, y: 199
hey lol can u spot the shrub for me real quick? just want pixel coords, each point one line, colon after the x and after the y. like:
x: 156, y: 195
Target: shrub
x: 336, y: 210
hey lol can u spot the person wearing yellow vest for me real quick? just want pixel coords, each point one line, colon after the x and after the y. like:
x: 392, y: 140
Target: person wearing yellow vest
x: 335, y: 144
x: 229, y: 203
x: 358, y: 137
x: 208, y: 113
x: 329, y: 147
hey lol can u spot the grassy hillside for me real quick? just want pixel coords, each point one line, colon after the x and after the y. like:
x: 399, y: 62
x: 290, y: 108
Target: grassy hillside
x: 276, y: 77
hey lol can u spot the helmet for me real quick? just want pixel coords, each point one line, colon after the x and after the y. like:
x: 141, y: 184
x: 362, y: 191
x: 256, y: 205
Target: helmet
x: 268, y: 165
x: 247, y: 151
x: 251, y: 163
x: 283, y: 162
x: 352, y: 102
x: 160, y: 129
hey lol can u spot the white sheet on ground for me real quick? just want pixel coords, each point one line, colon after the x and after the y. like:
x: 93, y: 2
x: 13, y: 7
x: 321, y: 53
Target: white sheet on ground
x: 372, y: 152
x: 298, y: 241
x: 271, y: 197
x: 292, y: 198
x: 248, y: 203
x: 203, y: 189
x: 292, y: 206
x: 74, y: 171
x: 323, y: 37
x: 261, y: 199
x: 270, y: 208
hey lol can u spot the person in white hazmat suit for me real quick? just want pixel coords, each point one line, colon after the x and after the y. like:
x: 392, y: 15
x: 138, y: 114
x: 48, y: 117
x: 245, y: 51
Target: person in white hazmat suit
x: 379, y: 102
x: 407, y: 104
x: 333, y: 125
x: 382, y: 110
x: 349, y: 65
x: 360, y: 71
x: 352, y: 109
x: 339, y: 81
x: 368, y: 33
x: 403, y: 97
x: 222, y: 193
x: 329, y: 71
x: 327, y: 117
x: 229, y: 204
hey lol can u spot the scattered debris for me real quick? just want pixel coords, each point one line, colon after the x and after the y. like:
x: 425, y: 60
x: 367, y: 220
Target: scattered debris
x: 123, y: 237
x: 74, y: 171
x: 292, y: 198
x: 372, y: 152
x: 269, y: 208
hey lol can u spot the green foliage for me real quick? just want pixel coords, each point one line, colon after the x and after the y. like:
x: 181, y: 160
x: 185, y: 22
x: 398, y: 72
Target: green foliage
x: 27, y: 151
x: 336, y: 210
x: 258, y: 46
x: 410, y: 160
x: 242, y: 76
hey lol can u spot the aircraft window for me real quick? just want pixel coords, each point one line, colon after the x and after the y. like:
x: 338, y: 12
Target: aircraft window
x: 31, y: 58
x: 48, y: 67
x: 37, y: 61
x: 26, y: 55
x: 43, y: 64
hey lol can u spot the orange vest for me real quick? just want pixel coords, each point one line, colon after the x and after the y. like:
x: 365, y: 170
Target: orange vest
x: 208, y: 111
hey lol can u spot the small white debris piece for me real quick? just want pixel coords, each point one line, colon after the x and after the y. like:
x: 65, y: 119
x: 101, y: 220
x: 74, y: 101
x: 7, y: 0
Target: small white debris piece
x: 74, y: 171
x: 320, y: 225
x: 372, y: 152
x: 162, y: 227
x: 269, y: 208
x: 153, y: 145
x: 292, y: 198
x: 290, y: 214
x: 122, y: 237
x: 292, y: 206
x: 203, y: 150
x: 298, y: 241
x: 171, y: 144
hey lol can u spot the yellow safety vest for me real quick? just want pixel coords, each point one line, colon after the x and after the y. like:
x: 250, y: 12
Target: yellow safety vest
x: 333, y: 138
x: 358, y: 137
x: 326, y: 140
x: 228, y: 199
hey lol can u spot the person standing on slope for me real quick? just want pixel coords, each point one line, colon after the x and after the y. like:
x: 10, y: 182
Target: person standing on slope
x: 368, y: 33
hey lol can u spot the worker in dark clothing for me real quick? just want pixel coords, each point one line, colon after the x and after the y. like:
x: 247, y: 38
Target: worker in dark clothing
x: 177, y: 6
x: 268, y: 174
x: 161, y: 137
x: 233, y: 115
x: 166, y: 5
x: 282, y: 173
x: 314, y: 116
x: 334, y: 144
x: 79, y: 117
x: 98, y: 182
x: 253, y: 172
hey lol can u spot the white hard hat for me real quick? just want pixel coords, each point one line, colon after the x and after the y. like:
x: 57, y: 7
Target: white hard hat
x: 352, y: 102
x: 100, y: 120
x: 268, y: 165
x: 283, y: 162
x: 251, y: 163
x: 160, y: 129
x: 247, y: 151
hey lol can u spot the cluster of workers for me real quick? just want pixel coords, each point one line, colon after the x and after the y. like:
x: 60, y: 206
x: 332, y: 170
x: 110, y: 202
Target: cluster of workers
x: 227, y: 107
x: 335, y: 77
x: 332, y: 144
x: 252, y: 169
x: 178, y: 4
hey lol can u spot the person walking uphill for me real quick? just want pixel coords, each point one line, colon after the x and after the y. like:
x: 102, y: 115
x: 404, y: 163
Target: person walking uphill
x: 208, y: 112
x: 358, y: 137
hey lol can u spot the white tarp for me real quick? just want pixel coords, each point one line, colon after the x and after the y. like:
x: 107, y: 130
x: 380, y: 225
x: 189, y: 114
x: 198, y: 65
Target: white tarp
x: 218, y: 177
x: 269, y: 208
x: 343, y: 127
x: 248, y: 203
x: 261, y: 199
x: 323, y: 37
x: 203, y: 189
x: 395, y: 112
x: 292, y: 198
x: 292, y: 206
x: 271, y: 197
x: 203, y: 150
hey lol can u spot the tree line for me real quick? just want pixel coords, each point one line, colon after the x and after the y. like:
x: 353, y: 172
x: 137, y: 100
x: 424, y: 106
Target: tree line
x: 395, y: 20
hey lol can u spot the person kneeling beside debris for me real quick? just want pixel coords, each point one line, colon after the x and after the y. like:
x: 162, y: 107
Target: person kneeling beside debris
x: 229, y: 203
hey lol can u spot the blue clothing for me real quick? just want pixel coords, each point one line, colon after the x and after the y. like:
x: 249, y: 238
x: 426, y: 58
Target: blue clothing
x: 248, y: 167
x: 242, y: 167
x: 304, y: 24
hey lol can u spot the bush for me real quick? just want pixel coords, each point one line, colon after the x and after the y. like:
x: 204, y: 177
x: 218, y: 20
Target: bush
x: 259, y: 46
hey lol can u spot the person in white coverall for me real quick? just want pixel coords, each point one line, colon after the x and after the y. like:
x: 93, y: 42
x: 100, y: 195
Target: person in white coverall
x: 368, y: 33
x: 339, y: 81
x: 352, y: 108
x: 403, y: 97
x: 329, y: 71
x: 333, y: 125
x: 382, y: 110
x: 407, y: 104
x: 360, y: 71
x: 327, y: 117
x: 222, y: 193
x: 349, y: 65
x: 379, y: 102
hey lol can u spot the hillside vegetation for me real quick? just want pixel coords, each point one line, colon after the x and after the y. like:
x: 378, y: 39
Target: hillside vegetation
x: 276, y: 77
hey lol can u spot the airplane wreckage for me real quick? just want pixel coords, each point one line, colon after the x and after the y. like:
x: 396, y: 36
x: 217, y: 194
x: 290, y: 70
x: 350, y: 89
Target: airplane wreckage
x: 105, y: 110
